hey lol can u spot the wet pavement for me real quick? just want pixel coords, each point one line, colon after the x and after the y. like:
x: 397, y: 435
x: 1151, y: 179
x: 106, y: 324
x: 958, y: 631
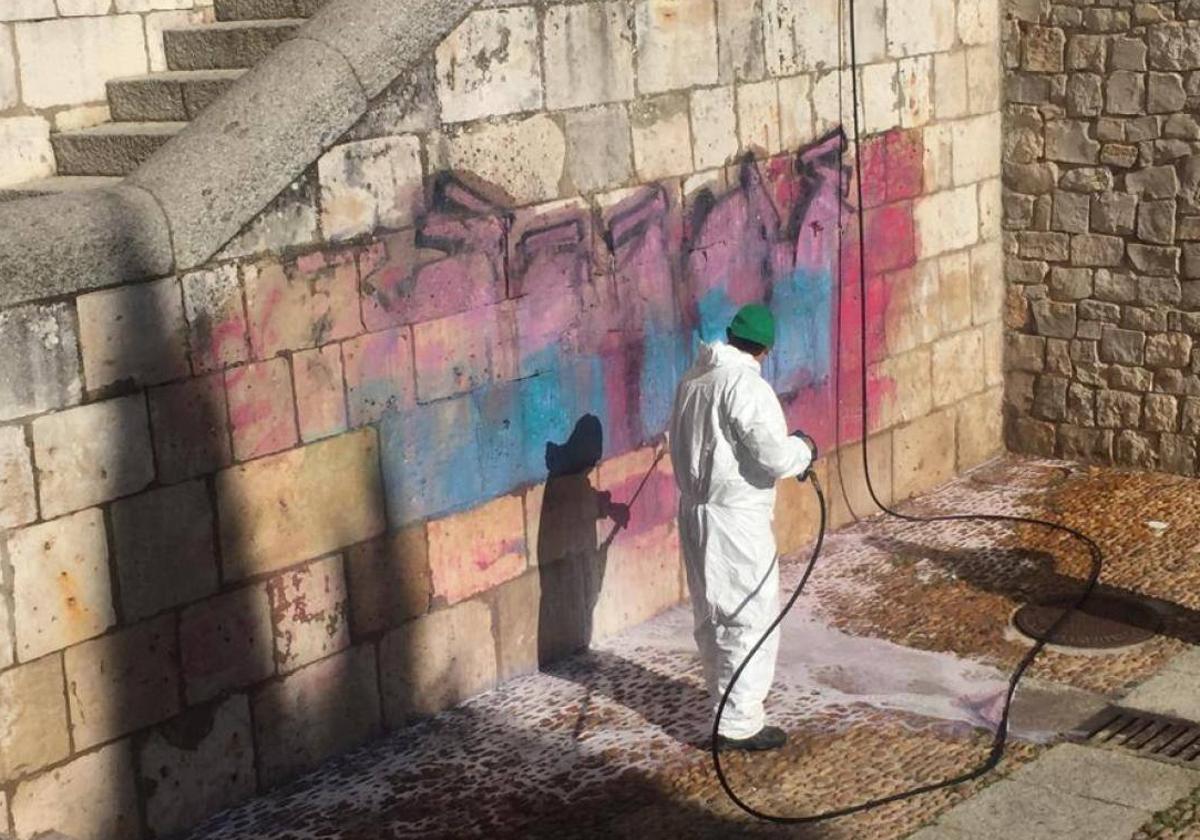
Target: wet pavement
x: 891, y: 676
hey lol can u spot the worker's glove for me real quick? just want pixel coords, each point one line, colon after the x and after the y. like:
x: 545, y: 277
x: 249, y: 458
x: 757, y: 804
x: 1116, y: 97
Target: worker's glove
x: 812, y: 447
x: 809, y: 442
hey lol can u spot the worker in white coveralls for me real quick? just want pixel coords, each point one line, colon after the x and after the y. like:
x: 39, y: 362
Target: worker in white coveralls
x: 730, y: 445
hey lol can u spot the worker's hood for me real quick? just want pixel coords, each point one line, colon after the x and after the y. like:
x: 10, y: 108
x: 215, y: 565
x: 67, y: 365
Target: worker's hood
x: 719, y: 354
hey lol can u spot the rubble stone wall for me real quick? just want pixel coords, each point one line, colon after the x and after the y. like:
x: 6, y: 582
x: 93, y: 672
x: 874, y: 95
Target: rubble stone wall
x: 1102, y: 231
x: 402, y: 439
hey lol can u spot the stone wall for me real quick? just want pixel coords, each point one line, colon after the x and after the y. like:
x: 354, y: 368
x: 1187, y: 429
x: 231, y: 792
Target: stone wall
x: 402, y: 439
x: 1102, y: 231
x: 55, y: 57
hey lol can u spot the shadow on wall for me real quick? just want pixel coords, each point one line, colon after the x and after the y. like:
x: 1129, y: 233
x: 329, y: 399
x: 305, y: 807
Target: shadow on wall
x: 571, y: 561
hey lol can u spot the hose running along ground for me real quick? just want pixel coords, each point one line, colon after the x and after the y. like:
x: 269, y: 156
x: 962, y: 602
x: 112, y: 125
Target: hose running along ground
x: 1000, y: 739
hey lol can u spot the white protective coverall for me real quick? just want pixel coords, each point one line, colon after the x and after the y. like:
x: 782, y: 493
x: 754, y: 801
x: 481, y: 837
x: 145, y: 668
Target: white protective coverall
x: 729, y: 446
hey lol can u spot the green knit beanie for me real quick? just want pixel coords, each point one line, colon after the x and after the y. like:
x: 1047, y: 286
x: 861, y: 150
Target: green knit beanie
x: 754, y: 323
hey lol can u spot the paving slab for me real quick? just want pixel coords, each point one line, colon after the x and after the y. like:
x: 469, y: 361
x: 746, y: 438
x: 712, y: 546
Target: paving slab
x: 1109, y: 776
x: 1011, y: 809
x: 1172, y: 693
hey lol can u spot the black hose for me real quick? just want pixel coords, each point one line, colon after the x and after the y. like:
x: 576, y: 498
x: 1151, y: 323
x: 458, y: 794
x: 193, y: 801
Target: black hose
x: 1000, y: 740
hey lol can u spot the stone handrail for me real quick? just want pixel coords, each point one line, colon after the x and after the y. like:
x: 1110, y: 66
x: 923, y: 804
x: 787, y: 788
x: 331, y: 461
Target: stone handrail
x: 184, y: 203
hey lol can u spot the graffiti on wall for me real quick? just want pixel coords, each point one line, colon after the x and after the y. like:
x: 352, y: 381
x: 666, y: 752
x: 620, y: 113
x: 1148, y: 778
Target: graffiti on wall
x: 522, y: 322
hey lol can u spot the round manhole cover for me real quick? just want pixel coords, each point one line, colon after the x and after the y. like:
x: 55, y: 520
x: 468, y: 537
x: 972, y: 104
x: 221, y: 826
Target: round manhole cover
x: 1104, y: 621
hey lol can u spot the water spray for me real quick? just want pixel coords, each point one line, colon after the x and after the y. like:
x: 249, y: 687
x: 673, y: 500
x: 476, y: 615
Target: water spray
x: 1000, y: 739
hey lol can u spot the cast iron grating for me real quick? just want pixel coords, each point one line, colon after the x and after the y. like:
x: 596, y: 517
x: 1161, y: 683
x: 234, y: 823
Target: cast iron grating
x: 1149, y: 735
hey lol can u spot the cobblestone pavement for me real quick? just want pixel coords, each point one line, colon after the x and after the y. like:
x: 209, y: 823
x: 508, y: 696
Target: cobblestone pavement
x: 891, y: 675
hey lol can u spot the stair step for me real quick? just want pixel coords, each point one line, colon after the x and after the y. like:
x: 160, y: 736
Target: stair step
x: 226, y: 46
x: 177, y: 95
x: 266, y: 9
x: 55, y: 186
x: 112, y: 149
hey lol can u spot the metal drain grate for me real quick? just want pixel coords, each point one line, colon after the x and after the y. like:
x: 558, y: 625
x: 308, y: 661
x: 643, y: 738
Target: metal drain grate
x: 1148, y: 735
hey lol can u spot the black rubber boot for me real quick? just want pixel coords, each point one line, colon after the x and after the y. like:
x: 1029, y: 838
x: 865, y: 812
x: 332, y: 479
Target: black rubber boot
x: 767, y: 738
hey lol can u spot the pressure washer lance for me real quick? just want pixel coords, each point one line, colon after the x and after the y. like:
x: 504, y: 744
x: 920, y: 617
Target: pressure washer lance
x: 1000, y: 739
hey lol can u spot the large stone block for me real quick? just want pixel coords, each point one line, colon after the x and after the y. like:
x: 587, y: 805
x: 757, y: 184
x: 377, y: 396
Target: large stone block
x: 189, y: 420
x: 197, y: 764
x: 478, y: 550
x: 18, y: 504
x: 915, y: 80
x: 60, y: 579
x: 740, y: 40
x: 216, y: 315
x: 924, y: 454
x: 457, y: 354
x: 67, y: 61
x: 226, y: 642
x: 758, y: 117
x: 639, y: 561
x: 849, y: 497
x: 979, y: 22
x: 677, y: 44
x: 490, y: 65
x: 524, y: 158
x: 28, y: 10
x: 91, y: 454
x: 909, y: 394
x: 389, y: 580
x: 977, y: 149
x: 1043, y: 50
x: 925, y: 26
x: 714, y: 120
x: 320, y: 392
x: 437, y: 661
x: 589, y: 54
x: 950, y: 96
x: 123, y: 681
x: 600, y: 148
x: 880, y: 104
x: 33, y: 718
x: 946, y: 221
x: 28, y: 154
x: 370, y: 185
x: 379, y: 375
x: 307, y: 304
x: 289, y: 222
x: 133, y: 334
x: 39, y: 370
x: 315, y: 713
x: 165, y: 551
x: 795, y: 112
x: 301, y: 504
x: 518, y: 611
x: 957, y: 367
x: 662, y: 138
x: 101, y: 791
x: 980, y: 428
x: 309, y: 612
x: 262, y: 411
x: 912, y: 302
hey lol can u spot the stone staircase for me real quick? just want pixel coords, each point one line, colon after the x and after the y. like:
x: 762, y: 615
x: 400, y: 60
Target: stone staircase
x: 202, y: 60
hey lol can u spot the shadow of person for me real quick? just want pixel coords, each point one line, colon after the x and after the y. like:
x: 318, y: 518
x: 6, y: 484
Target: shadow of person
x: 571, y: 560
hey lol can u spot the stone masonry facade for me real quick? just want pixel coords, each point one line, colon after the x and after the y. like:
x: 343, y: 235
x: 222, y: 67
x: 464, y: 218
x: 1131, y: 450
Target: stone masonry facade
x: 57, y: 55
x: 1102, y: 231
x: 403, y: 438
